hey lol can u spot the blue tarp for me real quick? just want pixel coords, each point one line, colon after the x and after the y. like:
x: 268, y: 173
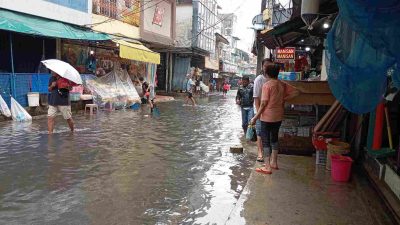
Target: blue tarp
x: 28, y: 24
x: 362, y: 46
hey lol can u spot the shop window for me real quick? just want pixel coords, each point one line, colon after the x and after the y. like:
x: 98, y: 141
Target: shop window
x: 106, y: 8
x: 123, y: 10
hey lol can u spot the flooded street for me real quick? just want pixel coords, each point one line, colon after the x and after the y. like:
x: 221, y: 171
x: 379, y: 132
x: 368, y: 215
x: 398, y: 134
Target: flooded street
x: 125, y: 167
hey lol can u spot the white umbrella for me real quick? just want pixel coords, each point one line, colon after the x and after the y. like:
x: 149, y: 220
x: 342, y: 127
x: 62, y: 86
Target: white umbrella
x: 63, y: 69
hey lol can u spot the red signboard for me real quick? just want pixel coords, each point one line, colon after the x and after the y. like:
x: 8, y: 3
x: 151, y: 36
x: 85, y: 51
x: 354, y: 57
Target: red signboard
x: 285, y: 53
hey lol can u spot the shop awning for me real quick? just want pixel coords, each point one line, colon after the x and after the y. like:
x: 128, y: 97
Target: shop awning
x: 137, y: 51
x: 282, y: 34
x: 33, y: 25
x: 293, y: 30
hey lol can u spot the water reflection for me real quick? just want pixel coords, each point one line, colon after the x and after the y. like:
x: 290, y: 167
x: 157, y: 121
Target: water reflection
x: 125, y: 167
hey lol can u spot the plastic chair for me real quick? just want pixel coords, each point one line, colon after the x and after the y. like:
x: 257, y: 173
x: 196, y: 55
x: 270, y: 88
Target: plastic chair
x: 91, y: 108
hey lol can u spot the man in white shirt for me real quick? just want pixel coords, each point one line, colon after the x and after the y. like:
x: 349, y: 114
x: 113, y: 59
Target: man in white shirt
x: 258, y: 84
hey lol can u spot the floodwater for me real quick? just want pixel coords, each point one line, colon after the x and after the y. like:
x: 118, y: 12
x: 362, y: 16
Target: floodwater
x: 125, y: 167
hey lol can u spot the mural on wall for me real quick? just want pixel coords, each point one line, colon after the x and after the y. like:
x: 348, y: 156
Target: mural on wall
x: 158, y: 16
x: 127, y: 11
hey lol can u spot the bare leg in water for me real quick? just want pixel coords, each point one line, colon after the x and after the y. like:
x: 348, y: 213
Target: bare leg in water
x: 193, y: 102
x: 71, y: 124
x: 50, y: 124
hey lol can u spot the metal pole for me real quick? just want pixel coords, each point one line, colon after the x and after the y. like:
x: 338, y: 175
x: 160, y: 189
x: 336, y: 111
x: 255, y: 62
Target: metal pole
x: 12, y: 68
x: 171, y: 71
x: 260, y: 46
x: 166, y: 62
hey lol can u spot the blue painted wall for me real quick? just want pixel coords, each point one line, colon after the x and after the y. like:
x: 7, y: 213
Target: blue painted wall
x: 181, y: 68
x: 81, y: 5
x: 24, y: 83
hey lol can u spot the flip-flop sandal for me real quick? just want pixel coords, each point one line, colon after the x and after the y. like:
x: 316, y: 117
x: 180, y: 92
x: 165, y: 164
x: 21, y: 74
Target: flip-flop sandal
x: 260, y: 170
x: 260, y: 159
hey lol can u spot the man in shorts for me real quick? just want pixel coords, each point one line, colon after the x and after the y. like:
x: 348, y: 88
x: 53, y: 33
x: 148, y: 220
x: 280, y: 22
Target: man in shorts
x: 258, y: 84
x: 189, y: 90
x: 58, y: 102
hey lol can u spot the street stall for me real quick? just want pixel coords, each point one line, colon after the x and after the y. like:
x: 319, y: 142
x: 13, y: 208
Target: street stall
x: 112, y: 70
x: 27, y: 40
x: 347, y: 69
x: 299, y: 52
x: 302, y: 112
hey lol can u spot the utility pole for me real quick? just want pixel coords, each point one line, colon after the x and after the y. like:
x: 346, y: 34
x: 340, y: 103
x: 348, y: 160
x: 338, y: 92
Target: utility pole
x: 260, y: 47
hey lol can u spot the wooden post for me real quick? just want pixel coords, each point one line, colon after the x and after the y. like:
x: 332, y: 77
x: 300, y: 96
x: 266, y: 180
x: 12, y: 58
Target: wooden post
x: 371, y: 128
x: 357, y: 141
x: 377, y: 140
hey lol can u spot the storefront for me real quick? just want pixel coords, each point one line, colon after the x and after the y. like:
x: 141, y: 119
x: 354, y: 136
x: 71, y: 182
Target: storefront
x: 299, y: 54
x: 211, y: 66
x: 100, y: 58
x: 111, y: 69
x: 358, y: 115
x: 157, y: 30
x: 25, y: 43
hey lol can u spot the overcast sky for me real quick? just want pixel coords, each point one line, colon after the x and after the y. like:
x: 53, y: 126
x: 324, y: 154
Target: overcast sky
x: 245, y: 11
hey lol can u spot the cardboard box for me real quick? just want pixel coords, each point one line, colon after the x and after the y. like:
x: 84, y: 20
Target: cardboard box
x: 312, y: 93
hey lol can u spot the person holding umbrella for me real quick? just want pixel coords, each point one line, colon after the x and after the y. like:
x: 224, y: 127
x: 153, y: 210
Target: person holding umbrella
x: 64, y: 76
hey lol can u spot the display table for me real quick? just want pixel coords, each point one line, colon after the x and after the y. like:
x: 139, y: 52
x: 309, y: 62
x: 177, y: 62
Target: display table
x: 301, y: 115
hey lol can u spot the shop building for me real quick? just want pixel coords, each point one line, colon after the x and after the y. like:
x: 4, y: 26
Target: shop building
x: 158, y: 31
x: 32, y: 31
x: 195, y: 40
x: 335, y: 64
x: 127, y: 23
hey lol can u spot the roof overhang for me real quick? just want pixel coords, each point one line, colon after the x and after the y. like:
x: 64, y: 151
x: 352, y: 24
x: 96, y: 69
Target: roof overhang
x: 294, y: 30
x: 221, y: 38
x: 34, y: 25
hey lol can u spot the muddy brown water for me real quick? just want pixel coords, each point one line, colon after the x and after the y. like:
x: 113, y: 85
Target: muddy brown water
x: 126, y: 167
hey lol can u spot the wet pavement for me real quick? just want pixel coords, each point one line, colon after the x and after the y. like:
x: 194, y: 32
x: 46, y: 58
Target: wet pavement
x: 125, y: 167
x: 300, y: 193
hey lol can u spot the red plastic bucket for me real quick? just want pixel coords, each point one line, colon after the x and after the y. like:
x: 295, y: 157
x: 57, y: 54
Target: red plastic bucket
x: 341, y: 168
x: 320, y: 139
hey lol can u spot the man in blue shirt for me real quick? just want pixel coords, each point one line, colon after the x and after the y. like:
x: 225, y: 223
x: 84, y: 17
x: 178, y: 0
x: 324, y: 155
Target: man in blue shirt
x: 58, y: 102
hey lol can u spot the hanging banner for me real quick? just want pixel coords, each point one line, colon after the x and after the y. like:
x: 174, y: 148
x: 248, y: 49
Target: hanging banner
x: 285, y: 53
